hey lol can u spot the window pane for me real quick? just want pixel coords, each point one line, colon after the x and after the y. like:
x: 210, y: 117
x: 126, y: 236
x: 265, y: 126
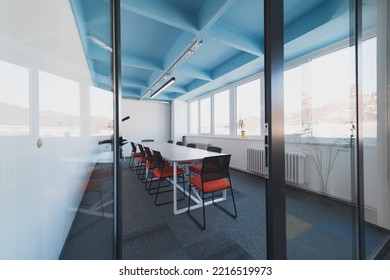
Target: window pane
x: 101, y: 108
x: 205, y: 116
x: 293, y: 102
x: 59, y: 106
x: 369, y: 83
x: 333, y: 94
x: 248, y: 107
x: 14, y: 100
x: 221, y: 113
x: 194, y: 117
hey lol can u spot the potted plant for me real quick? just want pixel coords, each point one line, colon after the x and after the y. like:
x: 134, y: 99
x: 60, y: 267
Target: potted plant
x: 241, y: 125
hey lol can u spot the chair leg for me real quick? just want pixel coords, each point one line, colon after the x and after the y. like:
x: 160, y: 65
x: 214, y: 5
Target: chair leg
x: 158, y: 191
x: 233, y: 215
x: 202, y: 226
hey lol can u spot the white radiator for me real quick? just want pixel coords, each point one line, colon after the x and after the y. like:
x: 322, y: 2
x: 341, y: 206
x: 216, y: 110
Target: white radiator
x: 294, y: 165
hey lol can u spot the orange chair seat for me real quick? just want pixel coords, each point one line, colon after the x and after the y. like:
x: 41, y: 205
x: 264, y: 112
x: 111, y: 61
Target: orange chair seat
x: 102, y: 173
x: 210, y: 186
x: 197, y: 169
x: 135, y: 154
x: 142, y: 159
x: 167, y: 172
x: 92, y: 184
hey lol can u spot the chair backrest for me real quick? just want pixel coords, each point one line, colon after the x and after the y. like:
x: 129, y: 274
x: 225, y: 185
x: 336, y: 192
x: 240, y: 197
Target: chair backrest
x: 159, y: 162
x: 191, y: 145
x: 179, y: 143
x: 214, y: 149
x: 216, y: 167
x: 141, y: 149
x: 147, y: 140
x: 149, y: 155
x: 134, y: 147
x: 170, y: 141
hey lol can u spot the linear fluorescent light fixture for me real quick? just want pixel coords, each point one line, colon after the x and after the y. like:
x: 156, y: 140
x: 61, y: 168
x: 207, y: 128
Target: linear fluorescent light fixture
x: 193, y: 48
x: 100, y: 43
x: 164, y: 86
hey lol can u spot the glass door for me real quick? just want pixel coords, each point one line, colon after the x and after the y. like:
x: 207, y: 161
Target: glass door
x: 320, y: 130
x: 375, y: 81
x: 56, y: 122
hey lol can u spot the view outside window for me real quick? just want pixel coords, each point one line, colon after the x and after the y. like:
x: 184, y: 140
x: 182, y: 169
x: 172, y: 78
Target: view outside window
x: 325, y: 108
x: 205, y: 115
x: 333, y: 94
x: 221, y: 113
x: 59, y: 106
x: 369, y: 83
x: 248, y: 107
x: 194, y: 117
x: 101, y: 108
x: 14, y: 100
x: 294, y: 102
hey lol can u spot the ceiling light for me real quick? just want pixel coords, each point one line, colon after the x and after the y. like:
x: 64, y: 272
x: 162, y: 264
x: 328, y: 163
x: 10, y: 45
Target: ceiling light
x: 164, y: 86
x: 100, y: 43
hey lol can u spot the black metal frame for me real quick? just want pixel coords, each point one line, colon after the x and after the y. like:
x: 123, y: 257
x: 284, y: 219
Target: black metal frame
x: 220, y: 171
x: 274, y: 117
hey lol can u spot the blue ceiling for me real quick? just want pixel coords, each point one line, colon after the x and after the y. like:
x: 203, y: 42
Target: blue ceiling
x: 156, y: 33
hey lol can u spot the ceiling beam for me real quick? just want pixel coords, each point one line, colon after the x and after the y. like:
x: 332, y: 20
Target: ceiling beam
x: 322, y: 14
x: 237, y: 39
x: 163, y: 12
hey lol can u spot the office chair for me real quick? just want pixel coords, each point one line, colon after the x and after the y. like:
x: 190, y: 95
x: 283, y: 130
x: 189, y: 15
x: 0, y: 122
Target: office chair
x: 214, y: 177
x: 196, y: 169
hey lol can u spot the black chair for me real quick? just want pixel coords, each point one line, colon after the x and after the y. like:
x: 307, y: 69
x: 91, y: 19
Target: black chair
x: 196, y: 169
x: 162, y: 172
x: 170, y: 141
x: 141, y: 163
x: 180, y: 143
x: 134, y: 154
x: 191, y: 145
x: 147, y: 140
x: 214, y: 178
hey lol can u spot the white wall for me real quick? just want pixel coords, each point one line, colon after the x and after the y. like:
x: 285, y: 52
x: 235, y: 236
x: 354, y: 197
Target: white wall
x: 40, y: 188
x: 148, y: 120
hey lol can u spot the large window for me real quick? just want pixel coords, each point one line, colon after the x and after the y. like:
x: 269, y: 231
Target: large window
x: 59, y: 106
x: 295, y: 101
x: 101, y: 108
x: 248, y: 106
x: 14, y: 99
x: 194, y: 117
x: 221, y: 113
x: 205, y: 115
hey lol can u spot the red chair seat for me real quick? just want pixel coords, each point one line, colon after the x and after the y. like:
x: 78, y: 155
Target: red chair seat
x: 167, y: 172
x: 210, y: 186
x: 135, y: 154
x: 197, y: 169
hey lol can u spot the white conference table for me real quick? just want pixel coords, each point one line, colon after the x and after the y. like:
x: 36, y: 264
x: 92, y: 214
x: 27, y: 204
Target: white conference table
x: 175, y: 154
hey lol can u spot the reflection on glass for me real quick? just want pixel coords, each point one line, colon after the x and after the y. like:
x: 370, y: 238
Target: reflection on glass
x: 101, y: 109
x: 14, y: 99
x: 59, y: 106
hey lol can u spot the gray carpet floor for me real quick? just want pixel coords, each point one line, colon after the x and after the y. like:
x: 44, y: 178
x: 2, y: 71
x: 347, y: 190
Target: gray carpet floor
x: 317, y: 227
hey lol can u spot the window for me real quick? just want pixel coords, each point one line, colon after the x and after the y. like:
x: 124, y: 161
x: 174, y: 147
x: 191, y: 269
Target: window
x: 332, y: 94
x: 59, y: 106
x: 194, y: 117
x: 14, y: 100
x: 248, y: 106
x: 101, y: 109
x: 295, y: 101
x: 205, y: 115
x: 221, y: 113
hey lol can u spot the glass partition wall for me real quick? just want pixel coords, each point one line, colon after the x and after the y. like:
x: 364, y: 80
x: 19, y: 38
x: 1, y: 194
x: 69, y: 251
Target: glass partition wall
x: 335, y: 135
x: 56, y: 181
